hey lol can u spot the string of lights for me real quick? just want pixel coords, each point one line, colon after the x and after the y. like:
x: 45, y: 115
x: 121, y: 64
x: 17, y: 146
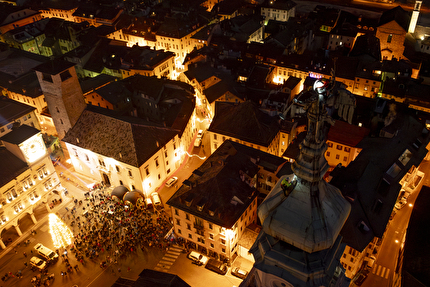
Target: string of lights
x: 61, y: 234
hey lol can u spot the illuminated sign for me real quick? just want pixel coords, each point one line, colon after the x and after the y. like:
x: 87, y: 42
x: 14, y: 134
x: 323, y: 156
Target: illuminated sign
x: 315, y: 75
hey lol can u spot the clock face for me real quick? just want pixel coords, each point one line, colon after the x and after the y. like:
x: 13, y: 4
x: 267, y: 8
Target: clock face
x: 34, y: 149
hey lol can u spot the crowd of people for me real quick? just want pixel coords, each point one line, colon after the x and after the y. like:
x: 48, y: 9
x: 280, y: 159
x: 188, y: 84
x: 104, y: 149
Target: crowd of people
x: 107, y: 230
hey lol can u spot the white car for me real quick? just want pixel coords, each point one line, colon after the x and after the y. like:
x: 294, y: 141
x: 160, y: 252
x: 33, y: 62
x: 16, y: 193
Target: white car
x: 198, y: 258
x: 171, y: 181
x: 198, y: 142
x: 38, y: 263
x: 45, y: 252
x: 200, y: 134
x: 401, y: 203
x: 156, y: 199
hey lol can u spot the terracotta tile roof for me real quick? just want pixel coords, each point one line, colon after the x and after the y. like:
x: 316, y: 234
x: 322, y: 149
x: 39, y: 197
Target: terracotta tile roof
x: 347, y: 134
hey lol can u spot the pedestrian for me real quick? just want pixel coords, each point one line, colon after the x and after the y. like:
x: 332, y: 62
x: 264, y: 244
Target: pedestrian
x: 128, y: 269
x: 119, y: 269
x: 25, y: 254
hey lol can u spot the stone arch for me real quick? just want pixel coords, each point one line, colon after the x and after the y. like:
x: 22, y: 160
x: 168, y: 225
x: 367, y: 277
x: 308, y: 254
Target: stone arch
x: 106, y: 179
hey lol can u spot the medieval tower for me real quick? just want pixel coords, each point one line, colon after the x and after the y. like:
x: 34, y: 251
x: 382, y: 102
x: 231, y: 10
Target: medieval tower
x: 63, y: 94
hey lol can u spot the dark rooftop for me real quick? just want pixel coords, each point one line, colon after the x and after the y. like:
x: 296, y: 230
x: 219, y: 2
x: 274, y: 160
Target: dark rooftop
x: 19, y: 134
x: 250, y: 124
x: 11, y: 110
x: 369, y: 179
x: 221, y: 190
x: 10, y: 166
x: 54, y: 67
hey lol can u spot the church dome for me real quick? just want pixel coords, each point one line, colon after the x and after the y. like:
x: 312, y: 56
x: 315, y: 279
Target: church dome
x: 311, y: 223
x: 119, y: 191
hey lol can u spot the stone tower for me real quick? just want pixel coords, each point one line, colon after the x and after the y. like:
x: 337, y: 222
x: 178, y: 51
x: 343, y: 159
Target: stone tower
x: 414, y: 17
x: 299, y: 244
x: 63, y: 94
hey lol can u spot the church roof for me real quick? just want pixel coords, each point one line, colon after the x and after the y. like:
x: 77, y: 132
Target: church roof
x: 398, y: 15
x: 298, y: 220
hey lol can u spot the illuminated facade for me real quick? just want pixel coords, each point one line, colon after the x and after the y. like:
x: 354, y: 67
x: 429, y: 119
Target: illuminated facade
x: 210, y: 238
x: 117, y: 152
x: 213, y: 207
x: 65, y: 12
x: 342, y: 143
x: 28, y: 177
x: 18, y: 17
x: 279, y: 10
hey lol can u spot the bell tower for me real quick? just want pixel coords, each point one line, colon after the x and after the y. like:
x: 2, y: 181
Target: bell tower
x: 63, y: 94
x: 414, y: 17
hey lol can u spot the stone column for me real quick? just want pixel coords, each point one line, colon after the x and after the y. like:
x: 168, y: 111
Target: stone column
x: 33, y: 218
x: 2, y: 245
x: 18, y: 230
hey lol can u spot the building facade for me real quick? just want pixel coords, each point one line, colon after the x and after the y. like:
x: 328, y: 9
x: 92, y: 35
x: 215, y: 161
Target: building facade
x: 28, y: 177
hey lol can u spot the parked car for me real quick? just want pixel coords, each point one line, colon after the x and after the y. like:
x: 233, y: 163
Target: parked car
x: 401, y: 203
x: 217, y: 266
x: 37, y: 263
x: 156, y: 199
x: 371, y: 262
x: 197, y: 142
x: 171, y: 181
x: 360, y: 278
x: 404, y: 193
x: 239, y: 272
x: 200, y: 134
x: 198, y: 258
x: 45, y: 252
